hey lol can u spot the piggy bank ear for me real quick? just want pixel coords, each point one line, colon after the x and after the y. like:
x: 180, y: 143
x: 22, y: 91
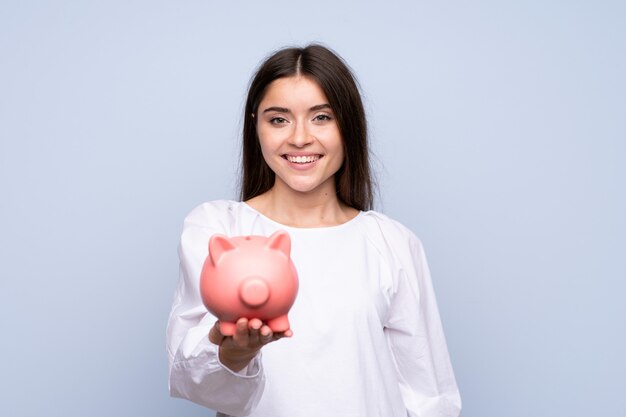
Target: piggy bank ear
x: 281, y: 241
x: 218, y: 245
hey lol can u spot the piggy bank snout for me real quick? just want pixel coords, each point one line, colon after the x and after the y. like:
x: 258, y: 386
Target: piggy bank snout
x: 254, y: 292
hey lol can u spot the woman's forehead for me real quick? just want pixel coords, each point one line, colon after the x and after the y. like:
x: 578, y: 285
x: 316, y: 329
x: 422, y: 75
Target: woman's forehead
x: 293, y: 93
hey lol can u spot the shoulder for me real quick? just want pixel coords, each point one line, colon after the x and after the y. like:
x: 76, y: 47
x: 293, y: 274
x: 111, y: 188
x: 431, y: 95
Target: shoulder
x: 216, y: 214
x: 211, y: 208
x: 393, y: 240
x: 393, y: 232
x: 202, y: 222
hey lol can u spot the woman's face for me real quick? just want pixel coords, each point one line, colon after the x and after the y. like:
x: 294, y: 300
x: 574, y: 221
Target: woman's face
x: 299, y: 135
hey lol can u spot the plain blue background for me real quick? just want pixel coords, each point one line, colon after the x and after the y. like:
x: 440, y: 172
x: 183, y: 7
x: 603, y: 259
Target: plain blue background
x: 498, y: 130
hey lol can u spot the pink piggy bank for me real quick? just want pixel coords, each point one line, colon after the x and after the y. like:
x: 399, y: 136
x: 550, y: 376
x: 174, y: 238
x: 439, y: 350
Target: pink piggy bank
x: 252, y: 277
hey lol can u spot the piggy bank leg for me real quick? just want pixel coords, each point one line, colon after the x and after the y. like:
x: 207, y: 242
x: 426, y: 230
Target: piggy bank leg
x: 279, y: 324
x: 227, y: 328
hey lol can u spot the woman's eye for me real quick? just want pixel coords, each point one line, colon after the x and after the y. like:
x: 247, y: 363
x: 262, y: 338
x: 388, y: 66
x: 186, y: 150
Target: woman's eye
x: 277, y: 120
x: 322, y: 117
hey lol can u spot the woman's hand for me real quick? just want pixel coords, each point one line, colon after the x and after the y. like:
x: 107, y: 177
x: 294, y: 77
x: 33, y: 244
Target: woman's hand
x: 238, y: 350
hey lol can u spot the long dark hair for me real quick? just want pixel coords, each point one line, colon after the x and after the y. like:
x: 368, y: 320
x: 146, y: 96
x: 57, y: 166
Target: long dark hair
x: 353, y: 180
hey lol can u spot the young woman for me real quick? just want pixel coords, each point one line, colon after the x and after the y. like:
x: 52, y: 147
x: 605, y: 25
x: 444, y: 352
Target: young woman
x: 367, y: 338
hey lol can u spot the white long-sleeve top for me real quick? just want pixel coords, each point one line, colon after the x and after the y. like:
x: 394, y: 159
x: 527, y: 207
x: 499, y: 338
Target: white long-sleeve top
x: 367, y: 339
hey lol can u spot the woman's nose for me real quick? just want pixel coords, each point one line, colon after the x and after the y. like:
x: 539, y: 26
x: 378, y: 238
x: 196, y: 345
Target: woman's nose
x: 301, y: 136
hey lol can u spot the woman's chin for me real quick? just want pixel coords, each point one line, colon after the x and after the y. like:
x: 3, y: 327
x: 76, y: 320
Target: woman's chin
x: 310, y: 187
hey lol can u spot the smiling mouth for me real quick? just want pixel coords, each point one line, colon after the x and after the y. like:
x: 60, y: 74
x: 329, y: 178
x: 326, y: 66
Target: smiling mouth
x: 302, y: 159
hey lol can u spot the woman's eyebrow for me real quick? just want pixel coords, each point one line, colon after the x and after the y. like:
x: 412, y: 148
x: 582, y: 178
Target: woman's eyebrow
x: 278, y: 109
x: 286, y: 110
x: 320, y: 107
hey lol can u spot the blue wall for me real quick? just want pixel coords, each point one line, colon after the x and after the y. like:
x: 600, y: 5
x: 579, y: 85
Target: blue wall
x: 499, y: 133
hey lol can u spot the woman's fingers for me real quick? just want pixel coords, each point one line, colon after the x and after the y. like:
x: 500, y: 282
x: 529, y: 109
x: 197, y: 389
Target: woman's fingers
x: 241, y: 338
x: 254, y: 325
x: 265, y: 335
x: 249, y: 334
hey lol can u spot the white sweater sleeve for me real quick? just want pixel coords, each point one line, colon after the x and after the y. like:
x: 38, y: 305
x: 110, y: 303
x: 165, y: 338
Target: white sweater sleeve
x: 415, y: 336
x: 194, y: 367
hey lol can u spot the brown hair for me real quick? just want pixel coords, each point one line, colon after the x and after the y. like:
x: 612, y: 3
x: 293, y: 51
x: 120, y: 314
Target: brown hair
x: 353, y: 180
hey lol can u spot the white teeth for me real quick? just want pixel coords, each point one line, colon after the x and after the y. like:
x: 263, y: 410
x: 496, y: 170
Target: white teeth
x: 302, y: 159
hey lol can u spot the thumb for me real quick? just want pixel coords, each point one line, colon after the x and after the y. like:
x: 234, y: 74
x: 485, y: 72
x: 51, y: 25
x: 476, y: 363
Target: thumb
x: 215, y: 336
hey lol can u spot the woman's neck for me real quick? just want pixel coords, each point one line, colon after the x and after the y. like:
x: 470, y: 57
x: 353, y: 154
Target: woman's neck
x: 318, y: 209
